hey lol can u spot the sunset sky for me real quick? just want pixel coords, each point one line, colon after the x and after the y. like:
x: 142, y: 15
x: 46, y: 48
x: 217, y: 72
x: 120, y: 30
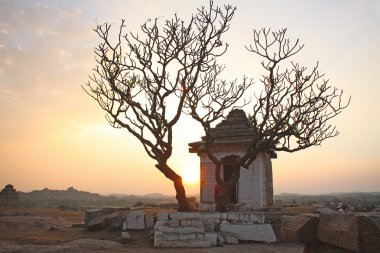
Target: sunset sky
x: 54, y: 135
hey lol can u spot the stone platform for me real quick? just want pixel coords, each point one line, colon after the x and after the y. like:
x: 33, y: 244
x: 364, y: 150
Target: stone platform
x: 207, y: 229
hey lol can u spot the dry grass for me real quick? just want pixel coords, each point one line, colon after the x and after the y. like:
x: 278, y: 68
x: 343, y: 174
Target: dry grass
x: 26, y: 235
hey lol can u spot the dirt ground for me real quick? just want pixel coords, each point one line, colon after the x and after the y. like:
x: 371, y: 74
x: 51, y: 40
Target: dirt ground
x: 28, y: 230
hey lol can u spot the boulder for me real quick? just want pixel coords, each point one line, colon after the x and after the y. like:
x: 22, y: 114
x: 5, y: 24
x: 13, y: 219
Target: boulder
x: 92, y: 213
x: 357, y: 232
x: 107, y: 221
x: 300, y: 228
x: 96, y: 224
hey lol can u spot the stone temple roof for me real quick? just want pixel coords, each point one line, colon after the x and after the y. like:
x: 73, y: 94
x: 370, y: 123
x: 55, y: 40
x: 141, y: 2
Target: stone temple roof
x: 235, y: 127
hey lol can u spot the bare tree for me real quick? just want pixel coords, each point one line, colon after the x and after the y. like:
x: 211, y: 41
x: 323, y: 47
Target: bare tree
x: 293, y: 111
x: 143, y: 80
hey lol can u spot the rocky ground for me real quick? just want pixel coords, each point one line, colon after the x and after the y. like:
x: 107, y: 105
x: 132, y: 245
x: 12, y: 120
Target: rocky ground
x: 50, y: 230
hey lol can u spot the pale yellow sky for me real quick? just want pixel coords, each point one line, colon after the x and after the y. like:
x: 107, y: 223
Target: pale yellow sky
x: 53, y: 135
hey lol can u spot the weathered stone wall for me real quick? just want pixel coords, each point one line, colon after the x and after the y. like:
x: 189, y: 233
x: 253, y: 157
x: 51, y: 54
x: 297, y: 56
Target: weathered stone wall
x: 206, y: 229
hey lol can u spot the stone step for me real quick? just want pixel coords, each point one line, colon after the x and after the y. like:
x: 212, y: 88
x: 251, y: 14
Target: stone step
x: 197, y: 243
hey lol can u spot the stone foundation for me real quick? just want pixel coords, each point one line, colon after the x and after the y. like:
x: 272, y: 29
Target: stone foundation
x: 207, y: 229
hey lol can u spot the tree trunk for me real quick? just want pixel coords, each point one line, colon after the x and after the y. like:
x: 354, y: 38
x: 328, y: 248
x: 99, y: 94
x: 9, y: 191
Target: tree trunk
x: 183, y: 204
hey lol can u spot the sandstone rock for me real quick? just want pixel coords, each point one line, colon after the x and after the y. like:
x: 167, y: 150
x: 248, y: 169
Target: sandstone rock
x: 301, y: 228
x: 356, y: 232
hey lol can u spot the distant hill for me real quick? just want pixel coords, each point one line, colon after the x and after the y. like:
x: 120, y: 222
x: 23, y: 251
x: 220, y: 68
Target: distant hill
x: 82, y: 199
x: 155, y: 195
x: 360, y: 201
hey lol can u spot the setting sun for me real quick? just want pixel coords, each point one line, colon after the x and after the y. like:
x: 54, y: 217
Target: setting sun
x: 190, y: 175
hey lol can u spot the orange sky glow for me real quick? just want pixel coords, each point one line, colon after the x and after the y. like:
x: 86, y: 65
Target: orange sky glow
x: 52, y: 134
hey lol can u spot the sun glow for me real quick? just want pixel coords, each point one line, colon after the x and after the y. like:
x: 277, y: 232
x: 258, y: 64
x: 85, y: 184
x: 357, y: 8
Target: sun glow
x: 190, y: 175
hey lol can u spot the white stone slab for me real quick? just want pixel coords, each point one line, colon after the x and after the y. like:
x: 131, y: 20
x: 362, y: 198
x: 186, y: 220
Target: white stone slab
x: 251, y: 232
x: 136, y: 220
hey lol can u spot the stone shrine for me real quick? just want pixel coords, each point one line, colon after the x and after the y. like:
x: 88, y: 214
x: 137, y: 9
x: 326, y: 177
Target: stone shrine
x: 232, y: 137
x: 9, y: 197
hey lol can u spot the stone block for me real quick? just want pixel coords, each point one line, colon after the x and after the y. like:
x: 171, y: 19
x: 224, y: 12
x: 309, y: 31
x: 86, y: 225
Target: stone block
x: 196, y: 223
x: 207, y: 207
x: 125, y: 235
x: 243, y: 216
x: 227, y: 237
x: 209, y: 227
x: 251, y: 232
x: 200, y: 236
x: 124, y: 227
x: 160, y: 223
x: 300, y: 228
x: 160, y: 243
x: 170, y: 237
x: 220, y: 240
x: 190, y: 215
x: 185, y: 223
x: 187, y: 236
x: 358, y: 232
x: 163, y: 216
x: 213, y: 237
x: 210, y: 215
x: 233, y: 216
x: 181, y: 230
x: 136, y: 220
x: 159, y: 235
x: 211, y: 221
x: 257, y: 217
x: 223, y: 216
x: 173, y: 223
x: 176, y: 215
